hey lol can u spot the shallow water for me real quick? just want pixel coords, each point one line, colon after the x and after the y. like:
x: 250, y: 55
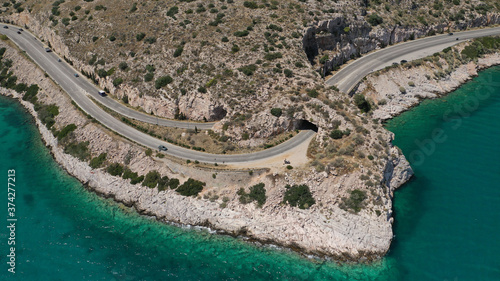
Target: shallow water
x: 447, y: 218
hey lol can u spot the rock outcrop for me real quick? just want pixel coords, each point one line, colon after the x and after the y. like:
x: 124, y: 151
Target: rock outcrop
x: 323, y: 230
x: 350, y: 38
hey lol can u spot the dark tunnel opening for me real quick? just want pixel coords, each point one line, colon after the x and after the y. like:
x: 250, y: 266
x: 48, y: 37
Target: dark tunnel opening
x: 306, y: 125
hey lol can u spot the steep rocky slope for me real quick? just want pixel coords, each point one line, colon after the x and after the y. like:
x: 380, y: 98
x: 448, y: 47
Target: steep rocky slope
x: 326, y: 228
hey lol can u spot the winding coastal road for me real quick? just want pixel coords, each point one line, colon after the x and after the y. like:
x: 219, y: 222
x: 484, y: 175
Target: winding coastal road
x: 349, y: 76
x: 63, y: 74
x: 79, y: 89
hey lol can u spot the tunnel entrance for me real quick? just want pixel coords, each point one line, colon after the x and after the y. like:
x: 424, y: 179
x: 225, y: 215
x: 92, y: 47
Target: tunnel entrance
x: 305, y: 125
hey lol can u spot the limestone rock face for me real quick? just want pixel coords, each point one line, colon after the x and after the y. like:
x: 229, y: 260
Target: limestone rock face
x: 362, y: 38
x: 386, y: 86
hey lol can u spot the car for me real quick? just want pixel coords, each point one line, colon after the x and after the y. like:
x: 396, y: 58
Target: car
x: 76, y: 75
x: 404, y: 61
x: 48, y: 50
x: 59, y: 60
x: 5, y: 26
x: 457, y: 39
x: 394, y: 63
x: 19, y: 32
x: 102, y: 93
x: 162, y: 148
x: 450, y: 34
x: 20, y: 29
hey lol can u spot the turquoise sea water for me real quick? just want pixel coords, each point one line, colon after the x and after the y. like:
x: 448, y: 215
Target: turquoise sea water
x: 448, y: 217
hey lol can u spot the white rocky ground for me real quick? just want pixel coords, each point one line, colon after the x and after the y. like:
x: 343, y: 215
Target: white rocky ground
x: 386, y: 85
x: 324, y: 229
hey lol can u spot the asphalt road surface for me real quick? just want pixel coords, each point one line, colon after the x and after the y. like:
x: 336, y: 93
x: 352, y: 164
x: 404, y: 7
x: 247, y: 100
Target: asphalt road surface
x: 349, y: 76
x: 62, y: 73
x: 78, y: 88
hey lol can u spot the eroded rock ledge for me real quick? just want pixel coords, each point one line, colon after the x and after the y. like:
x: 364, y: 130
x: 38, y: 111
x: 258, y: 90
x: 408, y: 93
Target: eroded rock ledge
x: 323, y: 230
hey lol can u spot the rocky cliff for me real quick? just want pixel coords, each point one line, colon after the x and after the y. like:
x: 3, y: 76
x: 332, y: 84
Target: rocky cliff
x: 324, y: 229
x: 343, y: 39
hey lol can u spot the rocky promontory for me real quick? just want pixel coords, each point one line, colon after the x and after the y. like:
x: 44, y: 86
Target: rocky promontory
x: 327, y: 228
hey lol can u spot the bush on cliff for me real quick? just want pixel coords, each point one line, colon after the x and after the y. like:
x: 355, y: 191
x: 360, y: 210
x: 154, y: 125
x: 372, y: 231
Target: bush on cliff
x: 191, y: 187
x: 79, y: 150
x: 65, y: 131
x: 355, y: 201
x: 362, y: 103
x: 257, y: 193
x: 97, y: 162
x: 163, y: 81
x: 133, y: 176
x: 298, y: 196
x: 115, y: 169
x: 152, y: 178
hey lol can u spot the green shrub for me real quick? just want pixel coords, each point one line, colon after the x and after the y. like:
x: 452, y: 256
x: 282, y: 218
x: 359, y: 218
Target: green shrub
x: 250, y: 4
x: 173, y: 183
x: 336, y: 134
x: 355, y: 200
x: 140, y: 36
x: 96, y: 162
x: 152, y: 178
x: 133, y: 176
x: 289, y: 167
x: 148, y: 152
x: 137, y: 180
x: 273, y: 56
x: 257, y: 193
x: 172, y: 11
x: 375, y: 19
x: 298, y: 196
x: 191, y: 187
x: 133, y: 8
x: 79, y: 150
x: 115, y: 169
x: 117, y: 81
x: 202, y: 89
x: 112, y: 38
x: 248, y: 70
x: 288, y: 73
x: 178, y: 51
x: 276, y: 111
x: 323, y: 59
x: 125, y: 99
x: 123, y: 65
x: 163, y: 81
x: 150, y: 40
x: 241, y: 33
x: 149, y: 77
x: 65, y: 21
x: 65, y: 131
x: 235, y: 48
x: 312, y: 93
x: 362, y: 103
x: 46, y: 113
x: 30, y: 94
x: 470, y: 51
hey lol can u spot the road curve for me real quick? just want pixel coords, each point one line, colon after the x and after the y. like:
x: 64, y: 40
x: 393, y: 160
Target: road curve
x: 62, y: 71
x: 78, y: 89
x: 349, y: 76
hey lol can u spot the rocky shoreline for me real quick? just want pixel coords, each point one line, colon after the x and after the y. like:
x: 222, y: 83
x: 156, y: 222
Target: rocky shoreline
x: 320, y: 231
x: 386, y: 86
x: 323, y: 230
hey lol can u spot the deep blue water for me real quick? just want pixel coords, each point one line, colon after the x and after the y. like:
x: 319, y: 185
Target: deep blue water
x: 447, y: 217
